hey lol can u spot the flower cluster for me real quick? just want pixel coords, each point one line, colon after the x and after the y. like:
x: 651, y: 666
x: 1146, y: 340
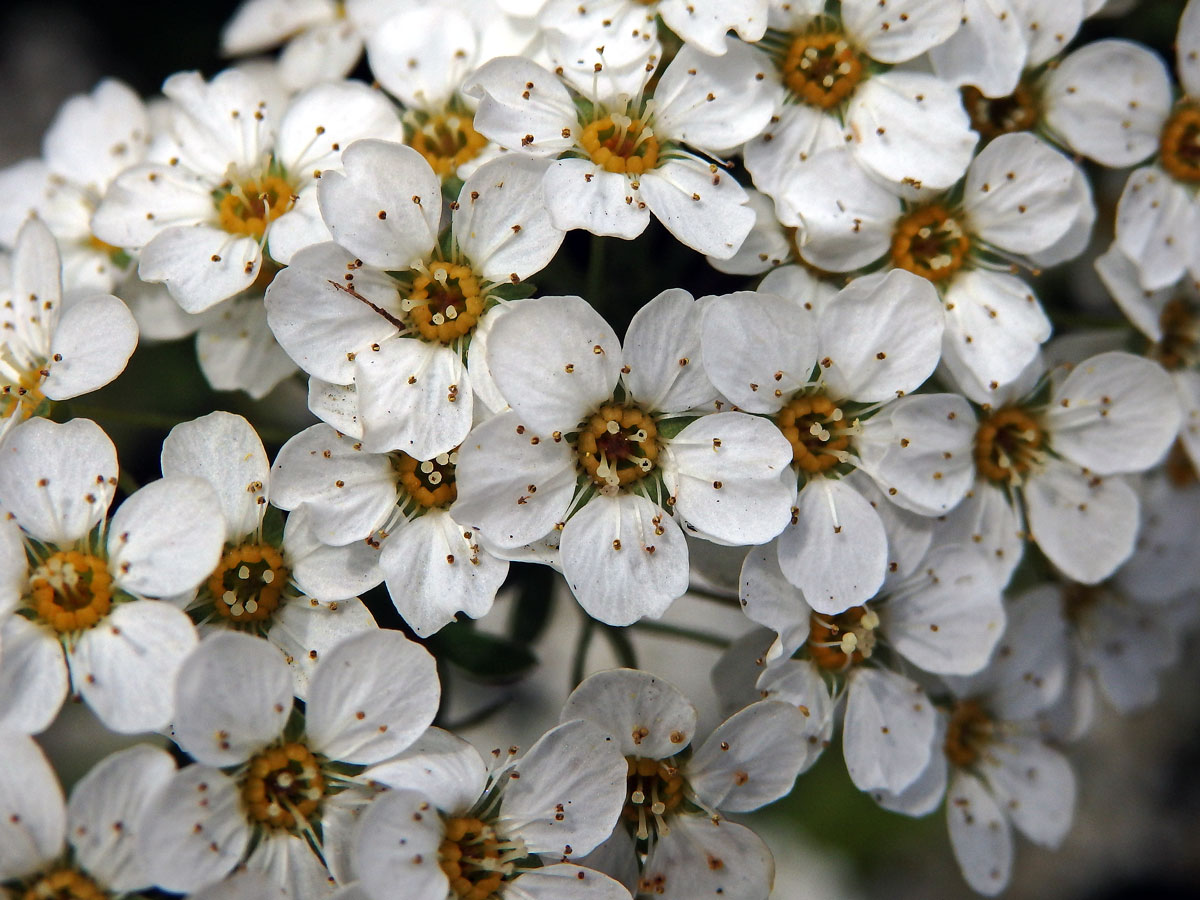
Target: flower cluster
x: 950, y: 531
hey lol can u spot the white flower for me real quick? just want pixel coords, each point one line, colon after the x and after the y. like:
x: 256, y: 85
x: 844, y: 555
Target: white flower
x: 830, y: 373
x: 397, y: 505
x: 290, y: 794
x: 595, y: 446
x: 51, y: 350
x: 630, y: 157
x: 82, y: 611
x: 101, y: 822
x: 394, y: 312
x: 672, y: 839
x: 290, y: 588
x: 835, y: 74
x: 454, y: 829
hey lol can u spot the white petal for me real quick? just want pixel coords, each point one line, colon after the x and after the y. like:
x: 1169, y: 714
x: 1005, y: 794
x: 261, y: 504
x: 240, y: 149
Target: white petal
x: 988, y: 51
x: 337, y: 405
x: 371, y: 697
x: 925, y: 794
x: 306, y: 630
x: 397, y: 844
x: 909, y: 535
x: 580, y: 194
x: 910, y: 128
x: 1187, y: 57
x: 891, y: 37
x: 989, y: 522
x: 516, y: 116
x: 497, y: 463
x: 324, y: 119
x: 980, y: 835
x: 1078, y: 235
x: 1035, y: 785
x: 58, y: 479
x: 751, y: 759
x: 105, y: 814
x: 1156, y: 227
x: 701, y: 206
x: 624, y: 558
x: 324, y: 571
x: 1123, y: 280
x: 702, y: 858
x: 422, y: 55
x: 919, y: 450
x: 33, y: 816
x: 1049, y: 27
x: 237, y: 351
x: 245, y: 885
x: 214, y: 122
x: 166, y: 537
x: 575, y: 368
x: 33, y: 677
x: 501, y: 223
x: 566, y: 793
x: 125, y: 666
x: 261, y: 24
x: 646, y: 716
x: 800, y: 683
x: 224, y: 450
x: 1085, y: 524
x: 703, y: 23
x: 771, y: 600
x: 800, y: 134
x: 200, y: 265
x: 14, y: 567
x: 765, y: 246
x: 442, y: 766
x: 143, y: 200
x: 291, y: 863
x: 233, y: 695
x: 549, y: 883
x: 91, y: 345
x: 199, y: 830
x: 433, y: 570
x: 385, y: 206
x: 880, y: 336
x: 662, y: 354
x: 1114, y: 413
x: 837, y: 550
x: 1109, y: 100
x: 889, y: 730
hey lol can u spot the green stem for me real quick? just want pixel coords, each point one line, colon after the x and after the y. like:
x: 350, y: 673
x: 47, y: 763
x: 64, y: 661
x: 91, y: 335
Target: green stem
x: 690, y: 634
x: 596, y: 295
x: 622, y: 646
x: 581, y: 649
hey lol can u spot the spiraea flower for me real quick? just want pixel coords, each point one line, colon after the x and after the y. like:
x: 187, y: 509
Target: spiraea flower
x: 81, y: 582
x: 832, y: 374
x: 50, y: 350
x: 453, y: 828
x: 635, y: 152
x: 83, y: 848
x: 392, y: 308
x: 602, y: 444
x: 273, y: 789
x: 673, y: 839
x: 290, y: 588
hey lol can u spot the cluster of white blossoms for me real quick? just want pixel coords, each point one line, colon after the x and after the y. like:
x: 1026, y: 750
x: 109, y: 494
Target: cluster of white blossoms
x: 955, y: 533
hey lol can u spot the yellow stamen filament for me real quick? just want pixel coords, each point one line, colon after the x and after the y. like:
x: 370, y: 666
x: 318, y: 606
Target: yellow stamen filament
x: 251, y: 206
x: 283, y: 787
x: 446, y: 303
x: 930, y: 242
x: 837, y: 642
x: 23, y: 397
x: 429, y: 482
x: 447, y: 141
x: 247, y: 583
x: 654, y: 790
x: 64, y: 884
x: 71, y: 591
x: 618, y: 445
x: 621, y: 145
x: 967, y: 733
x: 817, y: 431
x: 1179, y: 144
x: 1008, y: 445
x: 822, y: 69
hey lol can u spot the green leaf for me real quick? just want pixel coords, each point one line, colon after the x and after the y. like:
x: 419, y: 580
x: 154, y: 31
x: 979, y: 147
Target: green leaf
x: 487, y: 657
x: 669, y: 428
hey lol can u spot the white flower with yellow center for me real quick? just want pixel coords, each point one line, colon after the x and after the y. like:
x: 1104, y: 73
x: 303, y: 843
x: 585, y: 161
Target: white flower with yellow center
x: 832, y: 375
x: 82, y: 581
x: 83, y: 849
x: 837, y: 75
x: 231, y: 177
x: 272, y: 789
x: 634, y: 153
x: 603, y: 444
x: 290, y: 588
x: 92, y: 139
x: 941, y: 613
x: 391, y: 308
x: 1019, y: 198
x: 454, y: 828
x: 673, y: 839
x: 51, y: 350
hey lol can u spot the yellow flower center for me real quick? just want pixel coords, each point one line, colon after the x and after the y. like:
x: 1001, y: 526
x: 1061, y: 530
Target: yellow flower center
x: 247, y: 583
x: 429, y: 482
x: 248, y: 208
x: 1180, y: 471
x: 654, y: 788
x: 817, y: 430
x: 1007, y: 445
x: 967, y: 733
x: 71, y: 591
x: 621, y: 145
x: 1179, y: 346
x: 447, y: 141
x: 822, y: 69
x: 618, y: 445
x: 476, y: 859
x: 930, y: 242
x: 1179, y: 144
x: 283, y: 787
x: 64, y: 884
x: 445, y: 304
x: 994, y: 116
x: 837, y: 642
x: 23, y: 397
